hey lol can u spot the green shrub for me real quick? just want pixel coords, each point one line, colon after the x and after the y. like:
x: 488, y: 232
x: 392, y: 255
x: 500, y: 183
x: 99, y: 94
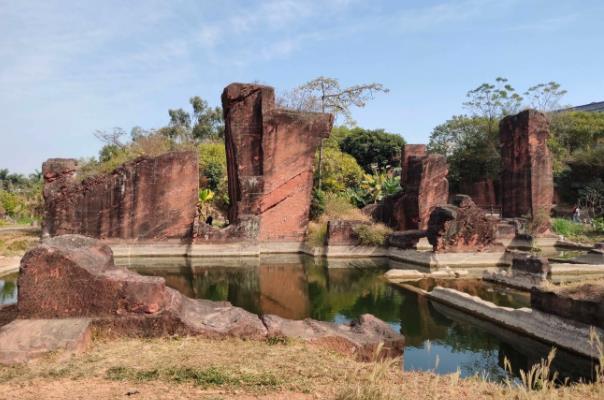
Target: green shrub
x: 567, y: 227
x: 372, y: 235
x: 212, y: 164
x: 339, y: 171
x: 317, y: 204
x: 373, y: 148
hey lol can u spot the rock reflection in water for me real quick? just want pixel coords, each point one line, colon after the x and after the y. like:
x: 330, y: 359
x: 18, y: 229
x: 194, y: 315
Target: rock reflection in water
x: 299, y: 287
x: 8, y: 289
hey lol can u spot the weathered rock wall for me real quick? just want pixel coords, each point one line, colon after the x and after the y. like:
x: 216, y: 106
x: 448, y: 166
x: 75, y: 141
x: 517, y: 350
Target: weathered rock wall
x: 148, y: 198
x: 410, y: 150
x: 527, y: 186
x: 426, y: 186
x: 482, y: 192
x: 270, y: 155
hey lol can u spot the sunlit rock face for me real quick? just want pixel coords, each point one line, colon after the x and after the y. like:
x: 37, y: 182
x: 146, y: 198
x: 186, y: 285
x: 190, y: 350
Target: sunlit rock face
x: 270, y: 155
x: 426, y: 187
x: 147, y: 198
x: 527, y: 185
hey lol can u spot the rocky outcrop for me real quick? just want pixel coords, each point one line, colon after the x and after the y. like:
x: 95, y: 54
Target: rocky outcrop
x: 73, y: 276
x: 531, y: 264
x: 461, y: 226
x: 410, y: 150
x: 362, y: 338
x: 270, y: 155
x: 148, y: 198
x: 584, y: 303
x: 426, y: 186
x: 527, y: 186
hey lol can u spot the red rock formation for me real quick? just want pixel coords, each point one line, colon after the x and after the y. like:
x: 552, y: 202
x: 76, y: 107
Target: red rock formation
x: 426, y: 186
x: 461, y: 226
x: 270, y: 155
x: 410, y: 150
x: 148, y: 198
x: 75, y: 276
x: 482, y: 192
x: 527, y: 186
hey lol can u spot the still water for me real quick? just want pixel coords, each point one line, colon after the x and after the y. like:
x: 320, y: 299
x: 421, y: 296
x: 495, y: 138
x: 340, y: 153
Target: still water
x: 439, y: 338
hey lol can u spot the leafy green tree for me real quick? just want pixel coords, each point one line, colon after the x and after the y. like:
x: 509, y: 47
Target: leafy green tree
x: 209, y: 122
x: 373, y: 148
x: 212, y: 164
x: 471, y: 148
x: 340, y: 171
x: 545, y: 97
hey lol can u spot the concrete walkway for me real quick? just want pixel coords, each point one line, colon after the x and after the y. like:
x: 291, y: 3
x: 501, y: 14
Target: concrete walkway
x: 9, y: 265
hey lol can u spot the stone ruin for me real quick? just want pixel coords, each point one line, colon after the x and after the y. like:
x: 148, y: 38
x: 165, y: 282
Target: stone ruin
x: 461, y: 226
x: 270, y: 155
x: 69, y: 287
x: 148, y: 198
x: 425, y: 185
x: 527, y: 185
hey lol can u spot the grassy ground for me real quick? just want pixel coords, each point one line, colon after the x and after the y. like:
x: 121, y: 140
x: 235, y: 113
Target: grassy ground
x: 577, y: 232
x: 194, y: 368
x: 16, y: 243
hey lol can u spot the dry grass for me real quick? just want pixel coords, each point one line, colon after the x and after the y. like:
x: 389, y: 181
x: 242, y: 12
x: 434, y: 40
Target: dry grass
x: 17, y: 243
x: 195, y: 368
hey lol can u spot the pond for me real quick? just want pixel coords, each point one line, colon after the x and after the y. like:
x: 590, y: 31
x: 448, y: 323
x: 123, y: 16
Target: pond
x: 439, y: 338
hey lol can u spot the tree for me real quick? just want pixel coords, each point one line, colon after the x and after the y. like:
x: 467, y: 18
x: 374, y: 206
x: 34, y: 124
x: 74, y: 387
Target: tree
x: 373, y: 149
x: 471, y: 148
x: 209, y: 122
x: 545, y: 97
x: 493, y: 101
x: 326, y: 95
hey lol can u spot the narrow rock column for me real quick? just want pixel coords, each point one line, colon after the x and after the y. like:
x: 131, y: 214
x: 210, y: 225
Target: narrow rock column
x: 527, y: 185
x: 270, y: 156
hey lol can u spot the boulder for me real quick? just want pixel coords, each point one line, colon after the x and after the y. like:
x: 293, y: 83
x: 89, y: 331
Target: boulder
x: 72, y: 276
x: 23, y: 339
x: 527, y: 184
x: 362, y: 337
x: 461, y: 226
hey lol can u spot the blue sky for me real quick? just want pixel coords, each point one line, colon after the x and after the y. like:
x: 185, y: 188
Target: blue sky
x: 69, y: 68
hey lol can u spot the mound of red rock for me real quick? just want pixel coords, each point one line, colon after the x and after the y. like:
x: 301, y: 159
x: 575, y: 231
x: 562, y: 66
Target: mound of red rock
x: 461, y: 226
x: 72, y: 276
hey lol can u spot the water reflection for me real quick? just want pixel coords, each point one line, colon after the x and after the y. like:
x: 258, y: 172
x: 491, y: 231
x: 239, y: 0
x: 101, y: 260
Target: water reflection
x: 438, y: 338
x: 8, y: 289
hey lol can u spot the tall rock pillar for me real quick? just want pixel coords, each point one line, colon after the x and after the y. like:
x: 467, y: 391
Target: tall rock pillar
x: 527, y: 185
x: 270, y: 155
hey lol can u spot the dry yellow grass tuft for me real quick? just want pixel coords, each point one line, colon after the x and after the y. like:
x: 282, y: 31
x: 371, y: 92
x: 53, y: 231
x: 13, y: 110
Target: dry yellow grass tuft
x: 196, y: 368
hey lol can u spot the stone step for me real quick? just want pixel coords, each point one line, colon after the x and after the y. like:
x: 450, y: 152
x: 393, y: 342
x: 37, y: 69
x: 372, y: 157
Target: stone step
x: 26, y: 339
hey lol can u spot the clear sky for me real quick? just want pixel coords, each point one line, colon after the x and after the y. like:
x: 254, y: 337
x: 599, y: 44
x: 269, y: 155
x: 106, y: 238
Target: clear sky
x: 68, y: 67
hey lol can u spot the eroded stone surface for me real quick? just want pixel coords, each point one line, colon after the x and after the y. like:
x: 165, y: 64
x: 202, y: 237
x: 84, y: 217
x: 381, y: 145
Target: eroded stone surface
x: 406, y: 239
x: 361, y: 337
x: 270, y: 155
x: 527, y: 186
x: 26, y: 339
x: 148, y: 198
x: 583, y: 303
x: 461, y: 226
x: 482, y: 192
x: 426, y: 187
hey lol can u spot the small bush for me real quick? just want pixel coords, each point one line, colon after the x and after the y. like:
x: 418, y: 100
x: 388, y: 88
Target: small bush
x: 317, y: 232
x: 372, y: 235
x: 337, y: 207
x: 567, y: 227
